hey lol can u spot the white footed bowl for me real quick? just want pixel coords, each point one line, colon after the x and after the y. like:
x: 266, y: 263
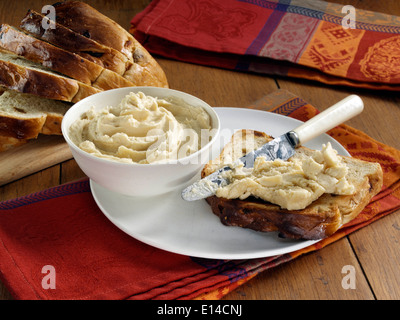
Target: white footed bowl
x: 131, y: 178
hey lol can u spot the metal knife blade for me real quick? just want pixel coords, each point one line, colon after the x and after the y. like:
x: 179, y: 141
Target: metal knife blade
x: 282, y: 147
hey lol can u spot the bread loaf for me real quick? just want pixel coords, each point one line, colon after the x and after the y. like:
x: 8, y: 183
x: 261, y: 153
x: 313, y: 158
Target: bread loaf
x: 89, y: 22
x: 67, y: 39
x: 320, y: 219
x: 59, y: 60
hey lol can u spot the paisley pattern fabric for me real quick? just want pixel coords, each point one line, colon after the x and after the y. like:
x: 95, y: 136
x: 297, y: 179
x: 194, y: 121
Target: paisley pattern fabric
x: 295, y: 38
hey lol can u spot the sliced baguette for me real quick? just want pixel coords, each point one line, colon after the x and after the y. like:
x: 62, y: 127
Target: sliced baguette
x: 23, y: 116
x: 60, y: 60
x: 319, y: 220
x: 17, y: 73
x: 69, y: 40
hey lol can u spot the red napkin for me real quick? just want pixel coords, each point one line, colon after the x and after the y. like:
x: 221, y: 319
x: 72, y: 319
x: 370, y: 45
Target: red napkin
x: 302, y: 39
x: 59, y: 236
x: 63, y: 228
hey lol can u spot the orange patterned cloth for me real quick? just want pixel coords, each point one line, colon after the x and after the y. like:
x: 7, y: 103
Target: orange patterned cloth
x: 297, y: 38
x: 360, y: 146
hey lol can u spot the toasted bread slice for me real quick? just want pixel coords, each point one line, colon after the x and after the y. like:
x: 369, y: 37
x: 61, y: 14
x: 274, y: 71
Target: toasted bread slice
x: 319, y: 220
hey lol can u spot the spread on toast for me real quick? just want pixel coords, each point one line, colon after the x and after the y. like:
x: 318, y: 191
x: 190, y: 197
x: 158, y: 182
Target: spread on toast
x: 319, y: 219
x: 292, y: 184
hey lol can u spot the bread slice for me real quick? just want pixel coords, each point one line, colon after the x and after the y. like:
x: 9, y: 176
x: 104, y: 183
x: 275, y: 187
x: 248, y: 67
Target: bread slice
x: 17, y: 73
x: 7, y: 143
x: 87, y: 21
x: 69, y: 40
x: 59, y: 60
x: 319, y: 220
x: 24, y: 116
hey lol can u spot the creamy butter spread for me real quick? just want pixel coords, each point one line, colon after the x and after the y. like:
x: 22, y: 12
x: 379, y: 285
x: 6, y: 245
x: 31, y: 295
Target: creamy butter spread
x: 292, y: 184
x: 142, y: 129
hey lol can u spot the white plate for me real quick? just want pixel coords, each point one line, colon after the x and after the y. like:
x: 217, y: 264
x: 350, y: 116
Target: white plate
x: 190, y: 228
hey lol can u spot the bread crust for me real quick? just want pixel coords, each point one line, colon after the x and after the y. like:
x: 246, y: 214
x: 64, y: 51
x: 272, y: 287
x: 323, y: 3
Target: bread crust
x: 52, y: 125
x: 18, y: 128
x: 110, y: 80
x: 24, y: 116
x: 67, y: 39
x: 32, y: 81
x: 319, y: 220
x: 48, y: 55
x: 91, y: 23
x: 60, y: 60
x: 265, y: 217
x: 87, y: 21
x: 7, y: 143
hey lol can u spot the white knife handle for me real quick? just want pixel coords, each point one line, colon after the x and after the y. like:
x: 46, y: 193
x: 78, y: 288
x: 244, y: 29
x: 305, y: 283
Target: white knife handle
x: 330, y: 118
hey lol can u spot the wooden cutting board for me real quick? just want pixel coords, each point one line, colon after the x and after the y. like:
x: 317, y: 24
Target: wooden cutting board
x: 37, y: 154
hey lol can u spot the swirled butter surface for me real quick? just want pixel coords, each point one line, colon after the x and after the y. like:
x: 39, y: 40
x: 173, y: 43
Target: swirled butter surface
x: 292, y: 184
x: 142, y: 129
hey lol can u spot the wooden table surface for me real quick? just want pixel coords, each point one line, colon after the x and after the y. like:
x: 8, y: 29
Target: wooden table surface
x: 373, y: 251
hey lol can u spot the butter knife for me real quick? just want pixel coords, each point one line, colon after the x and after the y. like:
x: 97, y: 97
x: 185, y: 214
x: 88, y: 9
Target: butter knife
x: 282, y: 147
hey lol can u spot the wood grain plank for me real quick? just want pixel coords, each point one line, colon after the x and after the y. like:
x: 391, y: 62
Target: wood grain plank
x: 377, y: 248
x: 215, y: 86
x: 33, y: 183
x: 4, y: 293
x: 70, y: 171
x: 32, y: 157
x: 389, y: 7
x: 121, y: 11
x: 315, y: 276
